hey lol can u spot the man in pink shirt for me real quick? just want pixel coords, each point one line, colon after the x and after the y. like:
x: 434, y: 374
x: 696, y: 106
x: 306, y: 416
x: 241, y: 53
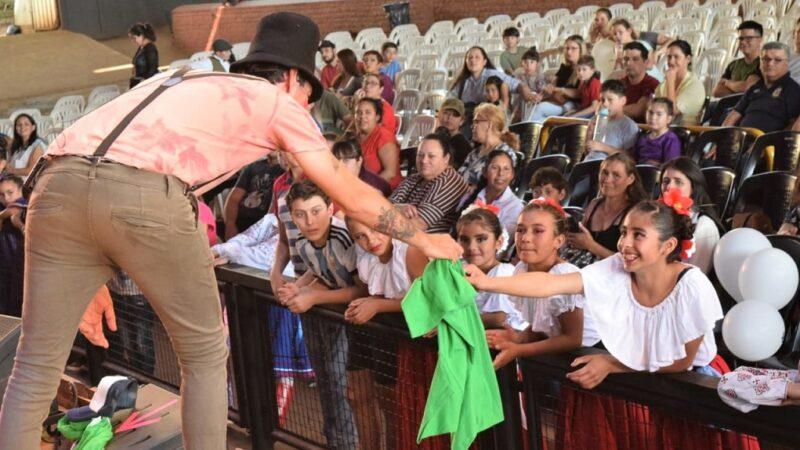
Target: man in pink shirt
x: 114, y: 193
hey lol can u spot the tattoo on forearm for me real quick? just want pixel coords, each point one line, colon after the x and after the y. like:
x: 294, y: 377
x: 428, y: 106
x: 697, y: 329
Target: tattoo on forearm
x: 393, y: 223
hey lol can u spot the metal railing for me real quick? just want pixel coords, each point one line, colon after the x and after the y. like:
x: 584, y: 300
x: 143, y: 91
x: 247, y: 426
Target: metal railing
x: 370, y: 383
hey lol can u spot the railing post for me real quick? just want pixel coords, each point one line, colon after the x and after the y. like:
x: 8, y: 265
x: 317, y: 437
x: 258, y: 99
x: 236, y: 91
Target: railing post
x: 507, y: 434
x: 250, y: 344
x: 531, y: 387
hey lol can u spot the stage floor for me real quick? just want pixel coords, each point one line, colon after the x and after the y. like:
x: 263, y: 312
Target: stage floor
x: 38, y: 68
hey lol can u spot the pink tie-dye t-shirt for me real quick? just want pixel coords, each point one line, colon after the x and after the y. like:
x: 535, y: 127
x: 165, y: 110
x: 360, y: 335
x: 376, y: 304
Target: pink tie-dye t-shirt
x: 197, y: 130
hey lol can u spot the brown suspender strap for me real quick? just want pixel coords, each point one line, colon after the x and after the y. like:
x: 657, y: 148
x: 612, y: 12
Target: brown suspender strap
x: 176, y: 78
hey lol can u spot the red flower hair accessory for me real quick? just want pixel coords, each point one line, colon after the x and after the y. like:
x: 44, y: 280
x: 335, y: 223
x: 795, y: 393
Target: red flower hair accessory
x: 494, y: 209
x: 549, y: 201
x: 675, y: 200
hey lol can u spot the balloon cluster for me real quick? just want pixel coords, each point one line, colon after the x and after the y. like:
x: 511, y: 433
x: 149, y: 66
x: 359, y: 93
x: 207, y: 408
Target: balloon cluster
x: 762, y: 279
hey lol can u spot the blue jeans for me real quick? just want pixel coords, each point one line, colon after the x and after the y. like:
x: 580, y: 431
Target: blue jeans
x: 328, y: 348
x: 546, y: 109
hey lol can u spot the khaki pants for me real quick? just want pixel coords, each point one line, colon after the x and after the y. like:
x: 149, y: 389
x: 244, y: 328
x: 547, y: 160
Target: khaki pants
x: 84, y: 220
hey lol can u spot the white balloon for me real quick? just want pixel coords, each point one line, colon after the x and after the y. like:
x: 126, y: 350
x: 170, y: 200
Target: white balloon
x: 770, y: 276
x: 730, y: 253
x: 753, y: 330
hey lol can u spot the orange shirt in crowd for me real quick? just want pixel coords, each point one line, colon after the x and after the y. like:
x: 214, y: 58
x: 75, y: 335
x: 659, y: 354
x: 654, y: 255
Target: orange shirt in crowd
x: 197, y: 130
x: 379, y: 137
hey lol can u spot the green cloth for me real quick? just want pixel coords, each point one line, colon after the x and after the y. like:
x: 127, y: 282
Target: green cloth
x: 464, y: 398
x: 96, y: 435
x: 71, y: 430
x: 512, y: 61
x: 91, y: 434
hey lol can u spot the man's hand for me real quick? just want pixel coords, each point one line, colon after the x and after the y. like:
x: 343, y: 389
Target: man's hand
x: 91, y: 325
x: 442, y: 246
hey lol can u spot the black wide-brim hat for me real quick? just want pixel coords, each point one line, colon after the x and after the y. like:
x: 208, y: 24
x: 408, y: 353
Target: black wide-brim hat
x: 289, y: 40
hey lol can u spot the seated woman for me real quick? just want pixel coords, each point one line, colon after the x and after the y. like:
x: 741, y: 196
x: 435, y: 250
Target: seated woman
x: 372, y: 87
x: 684, y: 174
x: 469, y: 84
x: 26, y: 146
x: 557, y: 324
x: 652, y: 312
x: 620, y: 189
x: 12, y: 256
x: 498, y: 175
x: 659, y: 144
x: 349, y: 79
x: 373, y: 62
x: 430, y: 196
x: 559, y: 95
x: 349, y: 153
x: 682, y: 86
x: 379, y: 145
x: 490, y: 133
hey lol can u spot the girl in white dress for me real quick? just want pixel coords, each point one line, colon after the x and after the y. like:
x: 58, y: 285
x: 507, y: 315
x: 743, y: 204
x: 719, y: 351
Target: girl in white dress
x: 482, y: 237
x: 557, y: 324
x: 388, y: 267
x: 652, y: 312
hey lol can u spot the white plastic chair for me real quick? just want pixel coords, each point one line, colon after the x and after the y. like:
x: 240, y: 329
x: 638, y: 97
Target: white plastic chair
x: 431, y: 102
x: 652, y: 9
x: 686, y: 6
x: 240, y: 50
x: 621, y: 9
x: 586, y: 13
x: 401, y: 32
x: 179, y: 63
x: 523, y: 19
x: 555, y: 15
x: 493, y: 44
x: 441, y: 27
x: 102, y: 90
x: 467, y: 21
x: 454, y: 62
x: 70, y: 101
x: 199, y: 56
x: 725, y: 40
x: 7, y: 127
x: 100, y: 100
x: 425, y: 61
x: 709, y: 65
x: 434, y: 80
x: 528, y: 41
x: 408, y: 79
x: 697, y: 39
x: 368, y: 33
x: 494, y: 57
x: 493, y: 22
x: 406, y: 103
x: 725, y: 23
x: 421, y: 125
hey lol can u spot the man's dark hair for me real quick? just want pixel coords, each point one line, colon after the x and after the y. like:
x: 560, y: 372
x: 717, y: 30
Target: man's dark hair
x: 304, y: 190
x: 274, y: 73
x: 752, y: 25
x: 551, y: 176
x: 636, y: 45
x: 388, y: 44
x: 613, y: 86
x: 511, y: 32
x: 531, y: 54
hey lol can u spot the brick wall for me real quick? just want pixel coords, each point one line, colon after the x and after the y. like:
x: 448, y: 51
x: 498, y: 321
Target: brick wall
x: 192, y: 23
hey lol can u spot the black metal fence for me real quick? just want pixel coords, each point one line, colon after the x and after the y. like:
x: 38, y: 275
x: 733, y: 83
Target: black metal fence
x: 314, y: 381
